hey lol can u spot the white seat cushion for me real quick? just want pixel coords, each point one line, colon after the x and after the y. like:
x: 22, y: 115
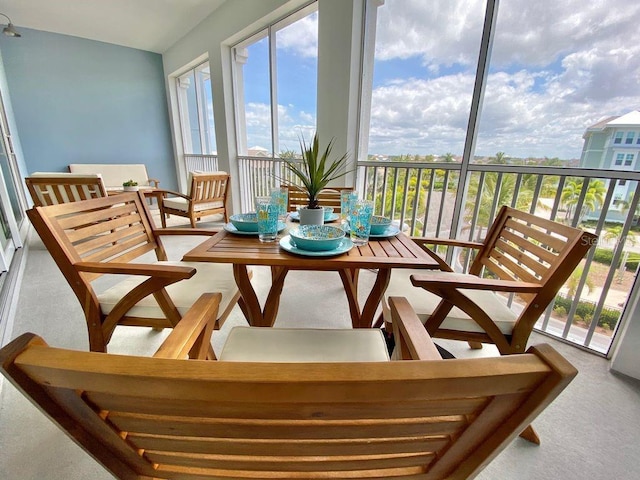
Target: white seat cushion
x: 210, y: 277
x: 424, y: 303
x: 179, y: 203
x: 255, y: 344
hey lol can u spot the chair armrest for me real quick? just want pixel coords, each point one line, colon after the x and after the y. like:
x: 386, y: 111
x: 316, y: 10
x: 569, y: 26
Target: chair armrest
x: 194, y: 330
x: 175, y: 194
x: 184, y: 231
x: 448, y: 280
x: 157, y: 271
x: 447, y: 241
x: 155, y: 182
x: 422, y: 242
x: 411, y: 337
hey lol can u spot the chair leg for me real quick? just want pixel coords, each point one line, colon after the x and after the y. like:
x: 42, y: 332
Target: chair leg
x: 475, y: 345
x: 530, y: 435
x: 163, y: 218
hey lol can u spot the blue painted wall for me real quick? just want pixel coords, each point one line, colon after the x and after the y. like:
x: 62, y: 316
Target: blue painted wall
x: 82, y: 101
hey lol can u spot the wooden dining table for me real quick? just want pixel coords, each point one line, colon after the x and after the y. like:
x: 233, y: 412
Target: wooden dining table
x: 380, y: 254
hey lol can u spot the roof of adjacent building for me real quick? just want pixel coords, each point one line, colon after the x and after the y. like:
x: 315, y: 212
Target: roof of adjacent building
x: 631, y: 119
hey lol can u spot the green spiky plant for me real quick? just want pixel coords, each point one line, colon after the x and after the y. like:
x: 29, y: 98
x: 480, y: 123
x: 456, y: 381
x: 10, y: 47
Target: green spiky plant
x: 316, y: 171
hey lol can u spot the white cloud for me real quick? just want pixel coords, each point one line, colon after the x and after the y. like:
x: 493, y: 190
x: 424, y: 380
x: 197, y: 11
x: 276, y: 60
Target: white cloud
x: 557, y: 67
x: 301, y: 37
x: 292, y: 125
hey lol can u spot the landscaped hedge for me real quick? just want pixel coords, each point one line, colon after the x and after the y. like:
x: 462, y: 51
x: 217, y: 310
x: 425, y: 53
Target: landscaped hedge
x: 603, y: 255
x: 608, y: 316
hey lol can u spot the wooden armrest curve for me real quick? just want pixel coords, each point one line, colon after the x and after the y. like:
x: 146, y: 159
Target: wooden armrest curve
x: 158, y: 271
x: 411, y: 337
x: 447, y: 280
x: 448, y: 241
x: 192, y: 327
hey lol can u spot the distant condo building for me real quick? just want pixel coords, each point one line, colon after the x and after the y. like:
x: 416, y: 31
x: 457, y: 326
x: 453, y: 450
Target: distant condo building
x: 613, y: 143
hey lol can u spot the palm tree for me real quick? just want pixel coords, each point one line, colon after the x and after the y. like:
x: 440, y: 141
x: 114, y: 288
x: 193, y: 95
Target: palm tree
x: 500, y: 159
x: 593, y: 199
x: 574, y: 280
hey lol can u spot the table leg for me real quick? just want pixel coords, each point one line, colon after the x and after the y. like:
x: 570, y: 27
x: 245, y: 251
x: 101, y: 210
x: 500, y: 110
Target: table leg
x: 252, y: 309
x: 350, y: 282
x: 374, y: 298
x: 278, y: 275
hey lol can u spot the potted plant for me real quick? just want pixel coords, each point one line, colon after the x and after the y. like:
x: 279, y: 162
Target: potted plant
x: 315, y: 172
x: 130, y: 186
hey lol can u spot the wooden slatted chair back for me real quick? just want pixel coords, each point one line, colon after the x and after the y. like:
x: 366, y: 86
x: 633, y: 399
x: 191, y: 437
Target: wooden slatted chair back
x: 329, y: 197
x: 208, y: 188
x: 55, y: 188
x: 113, y: 229
x: 523, y: 247
x: 144, y: 418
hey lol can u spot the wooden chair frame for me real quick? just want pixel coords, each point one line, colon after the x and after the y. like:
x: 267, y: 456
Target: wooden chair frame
x: 328, y: 197
x: 526, y: 255
x: 102, y: 236
x: 55, y: 188
x: 170, y: 418
x: 205, y: 188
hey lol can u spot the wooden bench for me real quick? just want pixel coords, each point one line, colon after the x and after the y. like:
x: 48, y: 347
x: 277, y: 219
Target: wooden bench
x: 171, y: 418
x: 114, y: 175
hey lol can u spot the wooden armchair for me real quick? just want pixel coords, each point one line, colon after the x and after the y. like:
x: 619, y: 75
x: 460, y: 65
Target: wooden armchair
x: 522, y: 254
x: 104, y: 236
x: 171, y: 418
x: 52, y: 188
x: 329, y: 197
x: 207, y: 196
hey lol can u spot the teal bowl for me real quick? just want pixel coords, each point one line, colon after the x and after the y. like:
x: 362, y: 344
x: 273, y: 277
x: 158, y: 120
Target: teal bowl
x: 245, y: 222
x: 328, y: 211
x: 379, y: 224
x: 317, y: 238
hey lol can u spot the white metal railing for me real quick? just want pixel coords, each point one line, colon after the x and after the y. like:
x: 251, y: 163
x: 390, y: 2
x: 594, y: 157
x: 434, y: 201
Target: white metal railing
x: 423, y: 198
x: 203, y: 163
x: 258, y: 175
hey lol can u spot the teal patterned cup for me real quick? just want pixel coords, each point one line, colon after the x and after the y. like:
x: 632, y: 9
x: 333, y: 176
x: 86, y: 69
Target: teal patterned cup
x: 267, y: 212
x: 280, y: 196
x: 347, y: 199
x: 360, y: 213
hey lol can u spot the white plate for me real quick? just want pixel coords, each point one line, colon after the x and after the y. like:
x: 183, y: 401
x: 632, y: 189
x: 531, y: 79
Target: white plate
x: 345, y: 246
x: 295, y: 216
x: 390, y: 231
x: 230, y: 227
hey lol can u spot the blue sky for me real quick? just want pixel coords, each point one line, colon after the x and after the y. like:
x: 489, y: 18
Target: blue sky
x: 557, y: 68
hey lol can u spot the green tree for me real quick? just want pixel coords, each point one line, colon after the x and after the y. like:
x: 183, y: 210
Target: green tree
x: 499, y: 159
x: 574, y: 280
x: 593, y: 199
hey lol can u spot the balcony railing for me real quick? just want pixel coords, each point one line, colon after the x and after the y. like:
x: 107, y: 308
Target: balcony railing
x: 202, y: 163
x: 427, y: 199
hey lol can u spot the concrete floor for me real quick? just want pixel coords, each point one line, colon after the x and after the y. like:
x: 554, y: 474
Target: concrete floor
x: 590, y: 431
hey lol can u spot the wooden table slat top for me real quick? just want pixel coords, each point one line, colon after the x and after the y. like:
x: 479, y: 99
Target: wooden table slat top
x: 224, y: 247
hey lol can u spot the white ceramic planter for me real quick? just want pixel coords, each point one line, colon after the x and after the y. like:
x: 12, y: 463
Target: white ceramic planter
x: 131, y: 189
x: 311, y: 216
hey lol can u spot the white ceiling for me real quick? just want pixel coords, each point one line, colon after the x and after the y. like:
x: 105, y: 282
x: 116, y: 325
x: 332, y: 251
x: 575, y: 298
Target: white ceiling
x: 153, y: 25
